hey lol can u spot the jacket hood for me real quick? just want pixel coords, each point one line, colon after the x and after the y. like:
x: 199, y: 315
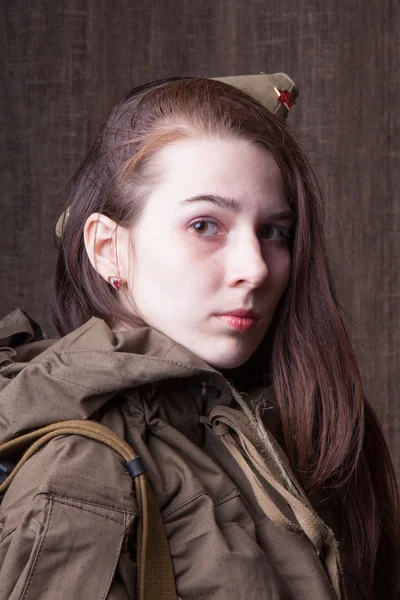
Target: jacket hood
x: 85, y: 368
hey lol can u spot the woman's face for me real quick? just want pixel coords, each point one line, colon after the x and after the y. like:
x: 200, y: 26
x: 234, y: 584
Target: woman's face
x: 209, y: 241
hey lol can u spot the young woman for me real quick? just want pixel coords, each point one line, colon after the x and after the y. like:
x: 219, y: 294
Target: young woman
x: 199, y: 322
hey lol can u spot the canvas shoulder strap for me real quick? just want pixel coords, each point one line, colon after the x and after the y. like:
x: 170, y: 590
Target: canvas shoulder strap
x: 155, y: 573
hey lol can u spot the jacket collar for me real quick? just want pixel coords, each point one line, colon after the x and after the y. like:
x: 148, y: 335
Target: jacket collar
x: 89, y: 366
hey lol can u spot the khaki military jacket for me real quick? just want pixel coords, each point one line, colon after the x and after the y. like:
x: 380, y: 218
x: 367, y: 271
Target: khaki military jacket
x: 68, y: 521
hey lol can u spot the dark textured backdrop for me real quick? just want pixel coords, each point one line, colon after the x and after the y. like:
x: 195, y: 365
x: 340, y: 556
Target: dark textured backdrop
x: 66, y: 63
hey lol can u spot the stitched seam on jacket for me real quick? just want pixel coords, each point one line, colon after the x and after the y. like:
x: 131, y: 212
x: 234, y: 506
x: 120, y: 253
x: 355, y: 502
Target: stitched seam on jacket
x: 7, y: 533
x: 170, y: 349
x: 82, y: 501
x: 141, y: 356
x: 80, y: 385
x: 32, y: 572
x: 53, y: 499
x: 99, y: 390
x: 232, y: 494
x: 174, y: 510
x: 159, y: 428
x: 115, y: 559
x: 76, y: 505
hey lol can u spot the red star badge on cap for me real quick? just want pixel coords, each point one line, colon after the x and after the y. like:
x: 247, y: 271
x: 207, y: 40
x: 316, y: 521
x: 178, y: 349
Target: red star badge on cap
x: 285, y: 98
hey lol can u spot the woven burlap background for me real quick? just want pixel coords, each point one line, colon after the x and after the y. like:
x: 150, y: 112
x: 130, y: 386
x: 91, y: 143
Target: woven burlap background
x: 65, y: 63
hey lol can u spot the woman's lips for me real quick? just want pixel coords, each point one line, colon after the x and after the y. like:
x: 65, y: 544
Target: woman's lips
x: 240, y: 323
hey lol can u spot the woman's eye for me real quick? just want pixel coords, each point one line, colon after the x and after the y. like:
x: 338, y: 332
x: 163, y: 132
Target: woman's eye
x: 204, y: 228
x: 267, y: 233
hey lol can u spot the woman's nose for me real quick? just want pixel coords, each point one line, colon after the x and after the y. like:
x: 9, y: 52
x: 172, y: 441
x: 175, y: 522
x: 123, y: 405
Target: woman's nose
x: 246, y: 262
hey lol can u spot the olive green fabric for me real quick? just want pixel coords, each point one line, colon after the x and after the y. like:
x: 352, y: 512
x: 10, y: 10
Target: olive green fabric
x: 69, y: 519
x: 156, y: 580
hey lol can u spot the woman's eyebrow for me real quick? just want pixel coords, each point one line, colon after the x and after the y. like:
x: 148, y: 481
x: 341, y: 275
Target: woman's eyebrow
x: 233, y: 205
x: 220, y: 201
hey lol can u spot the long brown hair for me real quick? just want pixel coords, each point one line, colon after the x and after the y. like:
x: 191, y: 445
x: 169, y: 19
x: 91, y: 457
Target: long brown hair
x: 332, y: 437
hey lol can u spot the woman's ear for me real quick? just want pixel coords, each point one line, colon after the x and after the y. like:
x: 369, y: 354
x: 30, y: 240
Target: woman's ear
x: 100, y: 236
